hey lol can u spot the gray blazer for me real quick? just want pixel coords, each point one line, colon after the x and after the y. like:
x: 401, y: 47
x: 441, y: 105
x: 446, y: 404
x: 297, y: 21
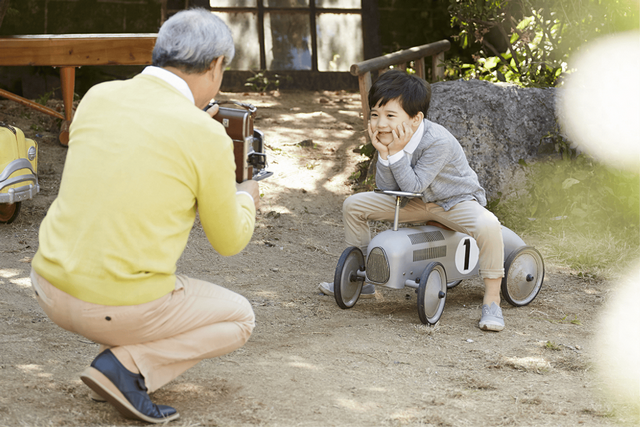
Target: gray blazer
x: 438, y: 168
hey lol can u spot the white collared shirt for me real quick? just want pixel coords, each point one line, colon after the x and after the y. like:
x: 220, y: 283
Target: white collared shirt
x: 170, y: 78
x: 407, y: 150
x: 179, y: 84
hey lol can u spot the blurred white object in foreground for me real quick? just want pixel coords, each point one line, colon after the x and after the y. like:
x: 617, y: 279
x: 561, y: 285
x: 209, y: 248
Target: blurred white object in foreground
x: 600, y: 107
x: 618, y: 346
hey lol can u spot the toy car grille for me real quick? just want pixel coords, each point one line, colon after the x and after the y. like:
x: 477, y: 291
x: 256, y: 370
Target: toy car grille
x: 431, y: 236
x: 429, y: 253
x: 377, y: 266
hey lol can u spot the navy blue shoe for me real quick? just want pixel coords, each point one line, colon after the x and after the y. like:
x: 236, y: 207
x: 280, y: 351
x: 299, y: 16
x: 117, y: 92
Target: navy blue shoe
x: 125, y: 390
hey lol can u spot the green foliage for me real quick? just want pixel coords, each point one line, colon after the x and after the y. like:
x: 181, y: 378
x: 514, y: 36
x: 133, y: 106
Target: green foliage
x: 368, y: 150
x: 261, y: 82
x: 363, y: 179
x: 565, y: 320
x: 550, y: 345
x: 529, y: 42
x: 42, y: 99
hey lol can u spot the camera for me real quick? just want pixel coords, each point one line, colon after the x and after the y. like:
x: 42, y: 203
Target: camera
x: 248, y: 143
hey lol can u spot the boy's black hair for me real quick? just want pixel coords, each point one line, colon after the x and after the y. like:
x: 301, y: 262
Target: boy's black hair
x: 412, y: 92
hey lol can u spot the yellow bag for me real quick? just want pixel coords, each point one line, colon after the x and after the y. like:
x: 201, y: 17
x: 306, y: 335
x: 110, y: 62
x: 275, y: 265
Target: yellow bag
x: 18, y: 171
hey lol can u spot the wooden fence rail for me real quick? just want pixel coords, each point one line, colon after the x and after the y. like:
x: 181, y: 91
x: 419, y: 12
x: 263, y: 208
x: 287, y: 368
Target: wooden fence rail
x: 399, y: 59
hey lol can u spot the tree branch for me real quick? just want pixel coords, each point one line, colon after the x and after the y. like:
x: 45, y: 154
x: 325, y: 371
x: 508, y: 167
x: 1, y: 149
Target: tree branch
x: 4, y: 6
x: 499, y: 55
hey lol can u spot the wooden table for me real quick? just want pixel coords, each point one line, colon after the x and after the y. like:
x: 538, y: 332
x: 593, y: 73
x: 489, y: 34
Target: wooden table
x: 68, y: 51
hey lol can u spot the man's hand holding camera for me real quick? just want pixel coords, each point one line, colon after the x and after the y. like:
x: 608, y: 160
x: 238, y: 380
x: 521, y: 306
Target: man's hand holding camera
x: 212, y: 108
x: 250, y: 186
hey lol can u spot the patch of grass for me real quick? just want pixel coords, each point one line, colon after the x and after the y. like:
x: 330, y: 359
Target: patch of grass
x: 531, y: 401
x: 564, y: 320
x: 550, y: 345
x: 572, y: 363
x: 586, y: 215
x: 477, y: 384
x: 592, y: 253
x: 532, y: 364
x: 426, y: 329
x: 601, y: 413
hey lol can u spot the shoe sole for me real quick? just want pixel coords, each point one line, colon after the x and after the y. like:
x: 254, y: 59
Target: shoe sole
x: 99, y: 383
x: 492, y: 328
x: 96, y: 397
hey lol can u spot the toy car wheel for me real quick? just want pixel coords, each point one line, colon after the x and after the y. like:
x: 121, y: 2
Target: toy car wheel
x: 347, y: 285
x: 432, y: 293
x: 9, y: 212
x: 524, y: 274
x: 453, y: 284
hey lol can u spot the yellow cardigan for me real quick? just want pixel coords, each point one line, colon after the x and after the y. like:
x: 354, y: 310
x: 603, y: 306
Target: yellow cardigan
x: 142, y: 158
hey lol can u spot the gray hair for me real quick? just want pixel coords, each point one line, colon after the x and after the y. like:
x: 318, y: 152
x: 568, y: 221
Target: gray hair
x: 191, y: 39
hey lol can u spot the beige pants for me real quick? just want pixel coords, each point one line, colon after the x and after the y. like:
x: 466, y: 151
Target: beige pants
x: 165, y: 337
x: 466, y: 217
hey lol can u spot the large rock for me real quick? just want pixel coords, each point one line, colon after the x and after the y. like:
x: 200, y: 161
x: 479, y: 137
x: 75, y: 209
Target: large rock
x: 497, y: 125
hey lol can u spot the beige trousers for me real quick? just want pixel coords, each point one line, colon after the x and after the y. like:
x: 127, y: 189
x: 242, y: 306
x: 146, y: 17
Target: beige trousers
x: 466, y: 217
x: 165, y: 337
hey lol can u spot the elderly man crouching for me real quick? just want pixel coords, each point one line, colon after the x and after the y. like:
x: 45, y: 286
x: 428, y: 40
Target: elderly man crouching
x: 143, y: 158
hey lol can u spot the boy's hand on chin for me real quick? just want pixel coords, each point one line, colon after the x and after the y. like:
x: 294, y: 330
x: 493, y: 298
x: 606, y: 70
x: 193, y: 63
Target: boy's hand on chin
x: 377, y: 144
x: 401, y: 137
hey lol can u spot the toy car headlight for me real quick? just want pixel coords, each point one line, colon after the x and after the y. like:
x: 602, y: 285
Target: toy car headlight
x: 378, y: 266
x: 31, y: 154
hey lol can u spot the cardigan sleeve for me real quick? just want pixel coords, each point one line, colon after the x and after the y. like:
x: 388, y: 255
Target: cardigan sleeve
x: 431, y: 160
x: 227, y: 217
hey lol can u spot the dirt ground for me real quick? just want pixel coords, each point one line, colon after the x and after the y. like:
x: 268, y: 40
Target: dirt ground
x: 309, y: 363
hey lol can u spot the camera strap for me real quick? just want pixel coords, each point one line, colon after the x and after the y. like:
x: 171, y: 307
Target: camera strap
x: 249, y: 107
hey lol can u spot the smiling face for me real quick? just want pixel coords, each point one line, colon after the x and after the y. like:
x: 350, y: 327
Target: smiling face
x: 388, y: 117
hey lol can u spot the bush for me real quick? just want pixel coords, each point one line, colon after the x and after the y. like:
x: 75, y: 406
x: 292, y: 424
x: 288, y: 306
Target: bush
x: 529, y: 42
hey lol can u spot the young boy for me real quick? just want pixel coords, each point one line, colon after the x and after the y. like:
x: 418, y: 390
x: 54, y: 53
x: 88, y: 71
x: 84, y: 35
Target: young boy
x: 419, y: 156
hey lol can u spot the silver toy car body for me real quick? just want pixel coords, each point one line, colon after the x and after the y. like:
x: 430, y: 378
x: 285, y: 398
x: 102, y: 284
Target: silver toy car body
x: 433, y: 259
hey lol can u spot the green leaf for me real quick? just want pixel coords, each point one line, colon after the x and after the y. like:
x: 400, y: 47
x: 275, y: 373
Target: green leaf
x: 569, y: 182
x: 525, y: 23
x: 491, y: 62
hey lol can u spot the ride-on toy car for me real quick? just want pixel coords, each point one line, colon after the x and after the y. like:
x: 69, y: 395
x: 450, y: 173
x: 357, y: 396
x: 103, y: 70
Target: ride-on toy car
x: 433, y: 259
x: 18, y: 171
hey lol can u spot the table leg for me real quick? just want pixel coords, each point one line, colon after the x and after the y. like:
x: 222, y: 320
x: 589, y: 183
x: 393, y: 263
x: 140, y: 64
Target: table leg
x: 67, y: 82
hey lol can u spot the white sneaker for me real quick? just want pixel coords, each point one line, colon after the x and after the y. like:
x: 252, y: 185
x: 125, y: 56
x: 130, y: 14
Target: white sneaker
x: 492, y: 319
x: 368, y: 290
